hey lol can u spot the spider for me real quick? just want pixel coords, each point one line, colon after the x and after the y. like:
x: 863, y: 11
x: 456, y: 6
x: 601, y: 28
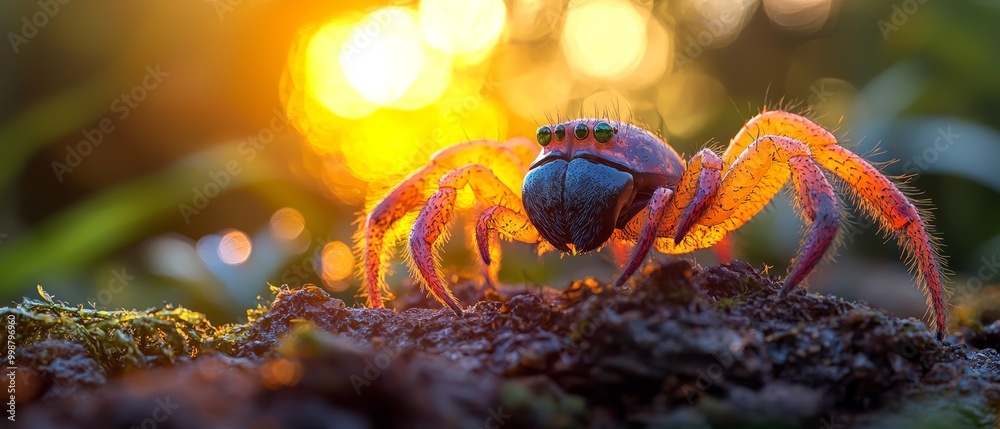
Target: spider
x: 588, y: 182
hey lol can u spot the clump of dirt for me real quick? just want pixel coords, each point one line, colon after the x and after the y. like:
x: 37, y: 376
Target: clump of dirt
x: 683, y: 347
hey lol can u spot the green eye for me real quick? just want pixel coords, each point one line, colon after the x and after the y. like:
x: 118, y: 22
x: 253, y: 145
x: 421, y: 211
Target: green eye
x: 581, y: 131
x: 544, y: 136
x: 603, y: 132
x: 560, y: 132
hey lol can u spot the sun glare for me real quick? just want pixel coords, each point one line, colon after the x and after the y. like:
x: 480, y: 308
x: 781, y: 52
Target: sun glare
x: 604, y: 38
x: 383, y: 55
x: 465, y: 28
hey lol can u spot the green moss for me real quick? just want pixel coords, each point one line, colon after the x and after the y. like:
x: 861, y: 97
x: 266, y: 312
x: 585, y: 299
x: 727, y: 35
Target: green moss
x: 122, y: 340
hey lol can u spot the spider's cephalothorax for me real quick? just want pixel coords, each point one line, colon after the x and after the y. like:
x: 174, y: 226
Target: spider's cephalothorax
x: 594, y: 179
x: 589, y: 182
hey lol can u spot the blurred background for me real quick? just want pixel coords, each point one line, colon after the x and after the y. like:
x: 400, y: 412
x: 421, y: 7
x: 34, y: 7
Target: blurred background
x: 194, y: 151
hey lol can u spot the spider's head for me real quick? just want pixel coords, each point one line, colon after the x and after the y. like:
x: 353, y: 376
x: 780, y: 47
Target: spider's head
x: 593, y: 176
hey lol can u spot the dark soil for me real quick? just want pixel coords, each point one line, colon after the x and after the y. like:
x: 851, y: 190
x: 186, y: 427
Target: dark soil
x: 684, y: 348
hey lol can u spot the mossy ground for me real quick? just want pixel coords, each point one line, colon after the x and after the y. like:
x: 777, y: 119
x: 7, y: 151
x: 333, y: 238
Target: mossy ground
x: 684, y: 347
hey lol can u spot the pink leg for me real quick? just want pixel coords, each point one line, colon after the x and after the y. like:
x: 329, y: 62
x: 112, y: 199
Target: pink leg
x: 383, y: 224
x: 430, y: 224
x: 819, y: 204
x: 502, y: 220
x: 899, y: 217
x: 655, y: 216
x: 438, y: 213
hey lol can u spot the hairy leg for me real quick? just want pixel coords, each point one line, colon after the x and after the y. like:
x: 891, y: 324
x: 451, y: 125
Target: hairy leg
x: 756, y: 176
x: 657, y: 210
x: 508, y: 223
x: 875, y: 193
x: 377, y: 236
x: 881, y: 199
x: 820, y: 209
x: 438, y: 213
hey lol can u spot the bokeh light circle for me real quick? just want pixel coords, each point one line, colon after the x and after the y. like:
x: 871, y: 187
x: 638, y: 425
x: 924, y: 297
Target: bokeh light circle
x: 235, y: 247
x: 324, y: 77
x: 604, y: 39
x: 383, y: 55
x: 462, y: 27
x: 337, y: 261
x: 287, y: 223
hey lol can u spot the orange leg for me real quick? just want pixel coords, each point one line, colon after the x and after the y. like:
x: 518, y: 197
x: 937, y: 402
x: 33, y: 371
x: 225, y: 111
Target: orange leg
x: 875, y: 193
x: 759, y: 161
x: 697, y: 188
x: 899, y: 217
x: 438, y: 213
x: 382, y: 227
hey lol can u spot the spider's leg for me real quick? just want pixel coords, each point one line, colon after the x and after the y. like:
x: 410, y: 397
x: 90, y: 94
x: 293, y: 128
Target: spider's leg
x: 820, y: 208
x: 697, y: 188
x: 881, y: 199
x: 376, y: 238
x: 438, y: 213
x: 756, y: 176
x: 878, y: 196
x: 508, y: 224
x: 691, y: 197
x: 655, y: 213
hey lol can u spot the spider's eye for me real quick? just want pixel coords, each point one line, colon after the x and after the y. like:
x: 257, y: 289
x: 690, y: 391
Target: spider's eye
x: 544, y: 136
x: 560, y: 132
x: 581, y: 131
x: 603, y: 132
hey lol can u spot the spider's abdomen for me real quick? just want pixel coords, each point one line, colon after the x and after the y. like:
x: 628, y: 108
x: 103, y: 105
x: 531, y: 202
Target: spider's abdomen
x: 577, y: 202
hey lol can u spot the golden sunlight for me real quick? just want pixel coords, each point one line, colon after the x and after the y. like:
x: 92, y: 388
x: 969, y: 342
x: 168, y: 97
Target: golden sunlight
x: 604, y: 39
x: 383, y: 55
x: 324, y: 77
x: 467, y: 29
